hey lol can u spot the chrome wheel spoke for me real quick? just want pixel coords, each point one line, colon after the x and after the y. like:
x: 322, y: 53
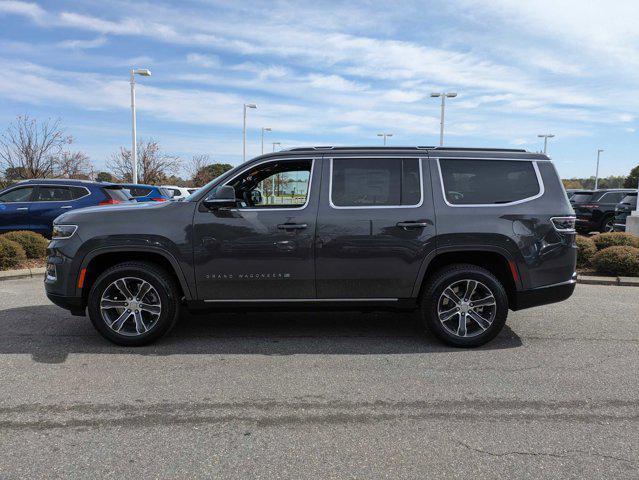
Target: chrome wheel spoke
x: 124, y: 290
x: 108, y: 303
x: 145, y: 287
x: 461, y: 328
x: 120, y: 321
x: 488, y: 301
x: 452, y: 296
x: 155, y: 309
x: 471, y: 286
x: 448, y: 314
x: 479, y: 320
x: 140, y: 327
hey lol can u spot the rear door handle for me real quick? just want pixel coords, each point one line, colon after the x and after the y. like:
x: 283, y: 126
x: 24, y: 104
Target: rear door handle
x: 21, y: 209
x: 292, y: 226
x: 412, y: 224
x: 66, y: 206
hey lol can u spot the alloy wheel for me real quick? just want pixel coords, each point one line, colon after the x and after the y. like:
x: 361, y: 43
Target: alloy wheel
x: 466, y: 308
x: 130, y: 306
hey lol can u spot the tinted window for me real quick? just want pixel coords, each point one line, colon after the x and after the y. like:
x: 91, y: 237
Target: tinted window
x: 174, y: 192
x: 610, y: 197
x: 78, y: 192
x: 117, y: 194
x: 139, y: 191
x: 630, y: 199
x: 22, y: 194
x: 581, y: 197
x: 488, y: 182
x: 53, y: 194
x: 370, y: 182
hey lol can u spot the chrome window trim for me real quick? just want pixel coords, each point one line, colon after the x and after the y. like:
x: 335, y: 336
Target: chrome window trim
x: 368, y: 207
x: 61, y: 186
x: 271, y: 160
x: 475, y: 205
x: 16, y: 188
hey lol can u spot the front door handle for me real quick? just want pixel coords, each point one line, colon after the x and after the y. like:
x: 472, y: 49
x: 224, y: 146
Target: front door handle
x: 412, y: 224
x: 22, y: 209
x: 66, y: 206
x: 292, y: 226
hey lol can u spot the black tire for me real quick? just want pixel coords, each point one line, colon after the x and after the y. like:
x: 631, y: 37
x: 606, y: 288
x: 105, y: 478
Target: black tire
x: 165, y: 287
x: 607, y: 225
x: 454, y: 275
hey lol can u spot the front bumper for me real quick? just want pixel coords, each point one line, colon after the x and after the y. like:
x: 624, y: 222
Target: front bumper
x: 73, y: 304
x: 543, y: 295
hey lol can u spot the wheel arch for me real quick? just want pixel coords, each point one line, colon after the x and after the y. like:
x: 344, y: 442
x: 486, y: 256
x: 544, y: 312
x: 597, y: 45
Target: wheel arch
x: 97, y: 261
x: 494, y: 259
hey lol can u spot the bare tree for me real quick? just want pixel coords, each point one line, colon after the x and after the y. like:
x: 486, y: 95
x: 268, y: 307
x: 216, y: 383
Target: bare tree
x: 153, y: 165
x: 196, y: 164
x: 73, y: 165
x: 29, y: 148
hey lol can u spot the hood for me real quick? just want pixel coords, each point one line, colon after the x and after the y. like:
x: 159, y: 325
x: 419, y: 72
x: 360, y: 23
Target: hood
x: 106, y: 211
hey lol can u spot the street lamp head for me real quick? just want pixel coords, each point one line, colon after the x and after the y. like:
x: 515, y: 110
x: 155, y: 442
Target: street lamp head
x: 451, y: 94
x: 435, y: 95
x: 600, y: 150
x: 546, y: 135
x: 389, y: 134
x: 144, y: 72
x: 250, y: 105
x: 267, y: 129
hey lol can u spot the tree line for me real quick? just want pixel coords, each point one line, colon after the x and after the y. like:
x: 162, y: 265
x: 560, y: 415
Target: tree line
x: 30, y: 148
x: 612, y: 181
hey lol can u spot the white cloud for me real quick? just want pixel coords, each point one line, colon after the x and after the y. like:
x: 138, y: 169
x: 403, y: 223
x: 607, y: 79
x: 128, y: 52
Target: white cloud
x: 83, y: 44
x: 207, y: 61
x: 27, y: 9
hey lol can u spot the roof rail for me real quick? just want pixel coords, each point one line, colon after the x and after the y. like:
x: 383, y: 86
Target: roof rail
x: 467, y: 149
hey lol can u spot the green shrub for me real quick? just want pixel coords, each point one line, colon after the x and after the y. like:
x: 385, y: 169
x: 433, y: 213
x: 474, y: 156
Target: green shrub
x: 585, y: 250
x: 616, y: 239
x: 11, y: 254
x: 34, y: 244
x: 620, y: 260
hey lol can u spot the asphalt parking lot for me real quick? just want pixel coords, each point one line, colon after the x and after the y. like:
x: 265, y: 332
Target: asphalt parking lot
x: 321, y: 395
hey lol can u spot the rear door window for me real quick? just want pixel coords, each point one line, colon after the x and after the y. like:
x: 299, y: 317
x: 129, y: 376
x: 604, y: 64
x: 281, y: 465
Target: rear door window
x: 488, y: 182
x: 78, y: 192
x: 375, y: 182
x: 581, y: 197
x: 54, y: 194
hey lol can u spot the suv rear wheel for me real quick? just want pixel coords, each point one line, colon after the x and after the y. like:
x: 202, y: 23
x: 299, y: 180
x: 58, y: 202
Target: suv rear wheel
x: 608, y: 225
x: 133, y: 303
x: 464, y: 305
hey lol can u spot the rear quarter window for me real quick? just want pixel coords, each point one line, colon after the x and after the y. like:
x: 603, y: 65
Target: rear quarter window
x: 139, y: 191
x: 488, y: 182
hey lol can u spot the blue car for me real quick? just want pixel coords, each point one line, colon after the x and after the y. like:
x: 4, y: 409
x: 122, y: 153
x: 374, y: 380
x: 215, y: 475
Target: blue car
x: 147, y: 193
x: 34, y: 204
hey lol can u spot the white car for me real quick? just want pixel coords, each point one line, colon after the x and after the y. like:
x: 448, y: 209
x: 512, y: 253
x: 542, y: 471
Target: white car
x: 178, y: 193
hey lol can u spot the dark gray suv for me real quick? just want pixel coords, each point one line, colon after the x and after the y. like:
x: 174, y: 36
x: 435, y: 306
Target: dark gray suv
x: 463, y: 235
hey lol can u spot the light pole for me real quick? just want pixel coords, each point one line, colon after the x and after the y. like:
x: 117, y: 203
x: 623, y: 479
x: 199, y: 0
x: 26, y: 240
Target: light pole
x: 246, y: 105
x: 546, y: 137
x: 385, y: 135
x: 441, y: 121
x: 264, y: 129
x: 134, y: 147
x: 599, y: 150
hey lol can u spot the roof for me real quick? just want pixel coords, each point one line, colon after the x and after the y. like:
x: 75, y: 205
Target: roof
x: 411, y: 150
x: 67, y: 181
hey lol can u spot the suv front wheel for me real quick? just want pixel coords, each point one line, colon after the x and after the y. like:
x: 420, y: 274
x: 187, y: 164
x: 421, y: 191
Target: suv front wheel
x: 464, y: 305
x: 133, y: 303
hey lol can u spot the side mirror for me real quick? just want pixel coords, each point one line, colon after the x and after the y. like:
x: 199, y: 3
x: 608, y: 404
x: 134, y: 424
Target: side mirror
x: 223, y: 197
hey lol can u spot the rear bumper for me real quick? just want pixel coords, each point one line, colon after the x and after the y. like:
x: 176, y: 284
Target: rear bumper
x: 73, y: 304
x: 543, y: 295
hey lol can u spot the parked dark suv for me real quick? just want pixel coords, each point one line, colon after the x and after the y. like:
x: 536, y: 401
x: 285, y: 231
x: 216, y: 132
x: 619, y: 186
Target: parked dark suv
x: 461, y: 234
x: 595, y: 209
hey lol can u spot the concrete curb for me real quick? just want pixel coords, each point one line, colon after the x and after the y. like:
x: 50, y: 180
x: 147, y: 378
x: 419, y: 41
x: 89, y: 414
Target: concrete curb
x: 24, y: 273
x: 621, y: 281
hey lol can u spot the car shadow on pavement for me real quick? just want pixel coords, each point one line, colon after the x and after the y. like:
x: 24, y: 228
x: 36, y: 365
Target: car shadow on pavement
x: 50, y: 334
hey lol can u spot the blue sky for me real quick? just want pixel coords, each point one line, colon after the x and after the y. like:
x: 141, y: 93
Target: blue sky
x: 327, y: 74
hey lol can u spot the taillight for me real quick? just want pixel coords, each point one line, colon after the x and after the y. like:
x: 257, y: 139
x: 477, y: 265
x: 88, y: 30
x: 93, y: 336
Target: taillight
x: 564, y: 224
x: 158, y: 199
x: 110, y: 201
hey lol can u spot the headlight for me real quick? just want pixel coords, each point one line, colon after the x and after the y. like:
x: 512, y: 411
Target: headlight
x: 63, y: 231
